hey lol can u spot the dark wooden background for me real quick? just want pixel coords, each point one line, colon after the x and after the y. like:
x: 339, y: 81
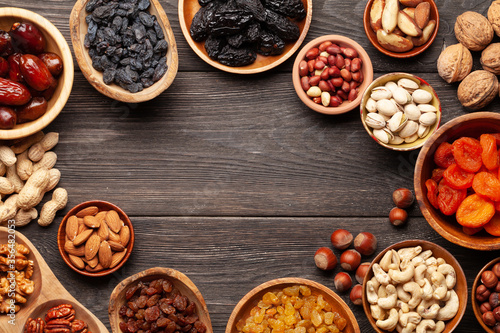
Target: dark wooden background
x: 230, y: 179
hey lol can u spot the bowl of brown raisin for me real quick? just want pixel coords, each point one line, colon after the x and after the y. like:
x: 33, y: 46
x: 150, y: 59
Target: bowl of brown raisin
x: 255, y: 38
x: 158, y: 297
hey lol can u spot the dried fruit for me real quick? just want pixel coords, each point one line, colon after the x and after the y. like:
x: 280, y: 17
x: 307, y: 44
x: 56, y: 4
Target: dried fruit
x: 454, y: 63
x: 14, y: 61
x: 432, y: 192
x: 458, y: 178
x: 27, y: 38
x: 487, y: 185
x: 6, y: 48
x: 489, y: 155
x: 443, y: 156
x: 8, y: 117
x: 473, y: 30
x: 53, y: 62
x: 35, y: 73
x: 449, y: 199
x: 493, y: 226
x: 475, y: 211
x: 36, y: 108
x: 467, y: 154
x: 4, y: 67
x: 13, y: 93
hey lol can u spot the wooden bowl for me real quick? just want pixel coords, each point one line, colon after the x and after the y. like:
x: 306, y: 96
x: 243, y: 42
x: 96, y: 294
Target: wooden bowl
x: 48, y: 290
x: 187, y: 10
x: 367, y: 70
x: 55, y: 43
x: 475, y: 303
x: 473, y: 124
x: 79, y: 26
x: 394, y: 77
x: 372, y: 36
x: 179, y: 280
x: 102, y: 205
x: 438, y: 252
x: 250, y: 300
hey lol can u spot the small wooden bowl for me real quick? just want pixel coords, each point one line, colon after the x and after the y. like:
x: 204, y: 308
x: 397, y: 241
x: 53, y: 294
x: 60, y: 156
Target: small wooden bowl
x: 372, y: 36
x: 179, y: 280
x: 475, y: 303
x: 102, y: 205
x: 242, y: 309
x: 79, y: 28
x: 473, y: 125
x: 55, y: 43
x: 438, y: 252
x: 394, y: 77
x: 188, y: 9
x: 342, y: 41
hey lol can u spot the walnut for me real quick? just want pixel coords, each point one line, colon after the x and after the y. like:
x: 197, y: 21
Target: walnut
x: 494, y: 16
x: 473, y: 30
x: 478, y: 89
x: 490, y: 58
x: 454, y: 63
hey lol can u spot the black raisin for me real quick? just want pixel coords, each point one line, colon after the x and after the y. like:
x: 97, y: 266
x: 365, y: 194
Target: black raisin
x: 161, y: 46
x: 143, y: 4
x: 160, y: 70
x: 146, y: 19
x: 158, y: 30
x: 108, y: 76
x: 103, y: 12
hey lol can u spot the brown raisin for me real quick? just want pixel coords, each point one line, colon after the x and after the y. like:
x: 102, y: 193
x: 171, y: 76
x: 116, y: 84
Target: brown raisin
x: 131, y: 291
x: 180, y: 302
x: 152, y: 313
x: 153, y: 300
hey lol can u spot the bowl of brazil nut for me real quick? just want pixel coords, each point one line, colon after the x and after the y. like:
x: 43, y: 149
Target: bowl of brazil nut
x: 95, y: 238
x: 414, y: 285
x: 485, y: 297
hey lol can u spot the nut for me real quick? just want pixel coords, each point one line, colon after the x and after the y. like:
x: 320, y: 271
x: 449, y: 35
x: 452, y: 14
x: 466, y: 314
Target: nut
x: 494, y: 16
x: 482, y: 293
x: 376, y: 14
x: 422, y: 14
x: 403, y: 198
x: 485, y: 307
x: 496, y: 269
x: 473, y: 30
x: 365, y: 243
x: 341, y: 239
x: 490, y: 59
x: 342, y: 282
x: 92, y: 246
x: 350, y: 260
x: 356, y: 295
x: 361, y: 272
x: 398, y: 216
x: 91, y: 210
x: 478, y: 89
x: 325, y: 259
x: 489, y: 279
x: 494, y: 300
x: 454, y: 63
x: 489, y: 318
x: 393, y: 42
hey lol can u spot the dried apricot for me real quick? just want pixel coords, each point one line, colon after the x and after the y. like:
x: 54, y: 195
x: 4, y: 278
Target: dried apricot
x: 475, y: 211
x: 443, y: 156
x: 449, y: 199
x: 489, y: 154
x: 467, y: 154
x: 458, y: 178
x: 432, y: 192
x: 486, y: 184
x: 471, y: 231
x: 437, y: 174
x: 497, y: 137
x: 497, y: 206
x: 493, y: 227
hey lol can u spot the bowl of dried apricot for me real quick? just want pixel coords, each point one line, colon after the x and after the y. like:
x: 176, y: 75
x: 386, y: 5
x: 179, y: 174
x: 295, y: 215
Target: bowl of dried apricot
x: 304, y: 302
x: 457, y: 181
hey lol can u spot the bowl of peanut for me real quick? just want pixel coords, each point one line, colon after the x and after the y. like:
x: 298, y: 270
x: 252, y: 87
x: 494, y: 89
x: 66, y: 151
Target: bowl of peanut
x: 95, y: 238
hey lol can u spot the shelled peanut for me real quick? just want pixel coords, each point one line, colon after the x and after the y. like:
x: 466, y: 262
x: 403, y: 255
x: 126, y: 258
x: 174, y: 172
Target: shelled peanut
x: 26, y: 173
x: 96, y: 240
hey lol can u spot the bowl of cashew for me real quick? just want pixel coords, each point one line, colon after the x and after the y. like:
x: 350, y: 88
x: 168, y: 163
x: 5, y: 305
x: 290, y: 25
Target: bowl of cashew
x: 414, y: 286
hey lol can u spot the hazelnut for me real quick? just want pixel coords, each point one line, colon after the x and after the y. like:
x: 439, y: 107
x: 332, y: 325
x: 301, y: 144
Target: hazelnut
x: 398, y: 216
x: 341, y: 239
x: 494, y: 16
x: 342, y: 282
x: 496, y: 328
x: 473, y: 30
x: 478, y: 89
x: 485, y: 307
x: 496, y: 313
x: 403, y: 198
x: 490, y: 59
x: 482, y: 293
x: 497, y: 287
x: 496, y: 269
x: 361, y: 271
x: 350, y: 260
x: 325, y: 259
x: 454, y: 63
x: 493, y: 300
x: 489, y: 279
x: 489, y: 319
x: 356, y: 295
x: 365, y: 243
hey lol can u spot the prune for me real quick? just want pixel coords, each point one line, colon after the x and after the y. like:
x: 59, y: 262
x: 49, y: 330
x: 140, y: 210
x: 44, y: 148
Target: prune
x: 6, y: 48
x: 251, y: 35
x: 27, y: 38
x: 53, y: 62
x: 229, y: 19
x: 270, y: 44
x: 204, y: 2
x: 290, y: 8
x: 281, y: 26
x: 199, y: 29
x: 8, y: 117
x: 214, y: 45
x: 234, y: 57
x: 253, y: 6
x: 4, y: 67
x: 31, y: 111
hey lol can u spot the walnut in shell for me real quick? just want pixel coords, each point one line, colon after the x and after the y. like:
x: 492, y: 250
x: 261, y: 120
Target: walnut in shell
x: 478, y: 89
x: 494, y: 16
x: 473, y: 30
x: 490, y: 58
x: 454, y: 63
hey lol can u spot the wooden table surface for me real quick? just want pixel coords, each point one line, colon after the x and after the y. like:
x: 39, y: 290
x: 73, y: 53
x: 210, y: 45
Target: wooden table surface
x: 230, y: 179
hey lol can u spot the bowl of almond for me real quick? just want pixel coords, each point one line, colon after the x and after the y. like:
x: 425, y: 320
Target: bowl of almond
x: 95, y: 238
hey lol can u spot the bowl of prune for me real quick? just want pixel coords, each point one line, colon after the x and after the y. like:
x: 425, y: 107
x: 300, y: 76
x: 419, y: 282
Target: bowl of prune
x: 125, y: 49
x: 245, y: 36
x: 36, y: 73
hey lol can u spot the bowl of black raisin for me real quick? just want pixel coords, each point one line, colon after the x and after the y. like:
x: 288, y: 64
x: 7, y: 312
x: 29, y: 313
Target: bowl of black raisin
x: 245, y: 36
x: 125, y: 49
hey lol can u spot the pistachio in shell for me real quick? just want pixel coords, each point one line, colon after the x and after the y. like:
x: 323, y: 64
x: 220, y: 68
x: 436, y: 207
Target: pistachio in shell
x: 490, y: 58
x: 473, y: 30
x: 454, y: 63
x: 478, y: 89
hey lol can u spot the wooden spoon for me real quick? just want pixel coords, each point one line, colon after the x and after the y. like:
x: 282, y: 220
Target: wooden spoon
x: 179, y: 280
x: 49, y: 292
x: 79, y: 27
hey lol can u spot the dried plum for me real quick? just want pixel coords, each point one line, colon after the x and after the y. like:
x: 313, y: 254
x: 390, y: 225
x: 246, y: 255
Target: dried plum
x: 229, y: 19
x: 270, y: 44
x: 204, y: 2
x: 251, y: 35
x: 291, y: 8
x: 214, y: 45
x: 281, y: 26
x: 199, y: 29
x: 234, y: 57
x: 253, y: 6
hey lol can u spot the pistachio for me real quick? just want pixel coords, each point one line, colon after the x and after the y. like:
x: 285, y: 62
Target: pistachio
x: 408, y: 84
x: 410, y: 128
x: 412, y: 111
x: 371, y: 105
x: 375, y: 120
x: 396, y: 140
x: 391, y: 85
x: 397, y: 122
x: 399, y: 107
x: 427, y: 119
x: 412, y: 138
x: 427, y: 108
x: 423, y: 131
x: 401, y: 96
x: 386, y: 107
x: 379, y: 93
x: 383, y: 135
x: 421, y: 96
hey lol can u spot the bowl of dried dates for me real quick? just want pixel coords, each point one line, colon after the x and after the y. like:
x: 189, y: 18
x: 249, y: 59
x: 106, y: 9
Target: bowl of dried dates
x: 245, y: 36
x: 36, y: 73
x: 401, y: 28
x: 485, y: 296
x: 331, y: 73
x: 457, y: 181
x: 158, y: 297
x: 95, y: 238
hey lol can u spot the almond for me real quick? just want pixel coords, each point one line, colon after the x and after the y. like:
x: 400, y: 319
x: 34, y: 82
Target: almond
x: 117, y: 258
x: 101, y: 216
x: 115, y: 246
x: 75, y: 251
x: 125, y: 235
x: 90, y: 210
x: 77, y: 261
x: 92, y: 262
x: 422, y: 14
x: 81, y: 228
x: 113, y: 221
x: 114, y: 237
x: 96, y: 269
x: 72, y: 227
x: 92, y: 246
x: 91, y: 222
x: 105, y: 254
x: 82, y: 237
x: 103, y: 231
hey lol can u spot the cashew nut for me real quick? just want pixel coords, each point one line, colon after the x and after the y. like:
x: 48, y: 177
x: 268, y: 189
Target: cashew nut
x: 377, y: 312
x: 416, y: 293
x: 381, y: 276
x: 450, y: 309
x: 428, y: 312
x: 389, y: 302
x: 427, y: 290
x: 371, y: 293
x: 390, y: 260
x: 410, y: 328
x: 403, y: 307
x: 376, y: 284
x: 420, y: 274
x: 426, y: 326
x: 390, y: 323
x: 409, y: 253
x: 439, y: 284
x: 381, y: 292
x: 440, y: 326
x: 425, y: 255
x: 403, y: 295
x: 449, y: 272
x: 417, y: 261
x: 404, y: 276
x: 410, y: 317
